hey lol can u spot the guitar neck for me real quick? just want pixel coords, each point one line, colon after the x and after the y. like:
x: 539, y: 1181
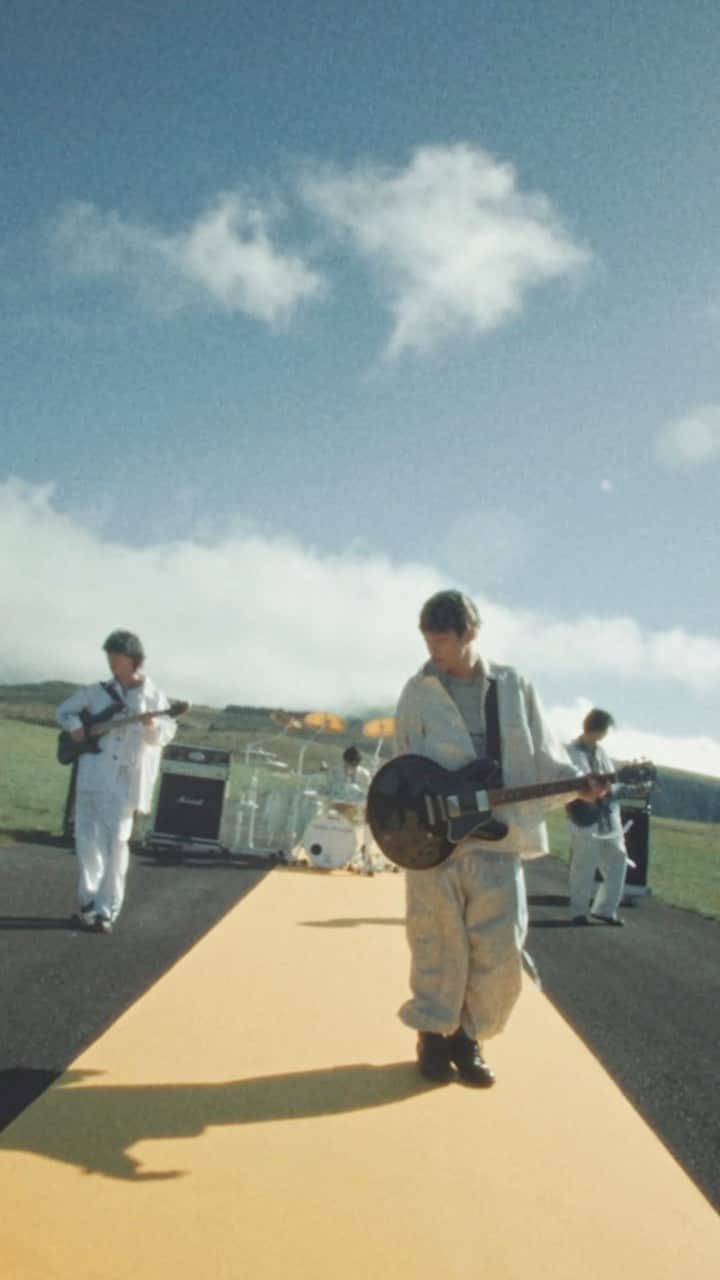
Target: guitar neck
x: 97, y: 730
x: 512, y: 795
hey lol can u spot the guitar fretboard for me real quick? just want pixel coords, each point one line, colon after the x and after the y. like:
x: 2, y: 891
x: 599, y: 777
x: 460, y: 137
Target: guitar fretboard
x: 511, y: 795
x: 119, y: 722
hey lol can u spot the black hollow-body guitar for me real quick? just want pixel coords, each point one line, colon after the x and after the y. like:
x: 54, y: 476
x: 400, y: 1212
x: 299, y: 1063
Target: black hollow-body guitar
x: 418, y: 812
x: 68, y: 750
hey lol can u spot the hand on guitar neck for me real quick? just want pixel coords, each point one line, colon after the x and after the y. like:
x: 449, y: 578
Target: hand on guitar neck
x: 594, y: 786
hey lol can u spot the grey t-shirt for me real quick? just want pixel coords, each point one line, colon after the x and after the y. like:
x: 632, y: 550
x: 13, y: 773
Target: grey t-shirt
x: 468, y: 693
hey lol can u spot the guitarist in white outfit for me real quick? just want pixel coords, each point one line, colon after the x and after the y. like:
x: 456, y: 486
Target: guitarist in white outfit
x: 117, y: 780
x: 600, y: 843
x: 467, y: 918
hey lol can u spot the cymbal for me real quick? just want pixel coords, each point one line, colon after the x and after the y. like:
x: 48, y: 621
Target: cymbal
x: 327, y: 720
x: 382, y: 727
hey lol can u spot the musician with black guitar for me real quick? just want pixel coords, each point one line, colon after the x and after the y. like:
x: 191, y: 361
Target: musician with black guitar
x: 117, y: 729
x: 466, y: 904
x: 597, y: 839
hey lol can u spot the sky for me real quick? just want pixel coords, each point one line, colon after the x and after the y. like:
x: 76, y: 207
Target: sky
x: 309, y: 311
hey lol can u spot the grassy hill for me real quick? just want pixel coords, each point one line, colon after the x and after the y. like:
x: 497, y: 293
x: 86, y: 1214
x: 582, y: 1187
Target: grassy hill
x: 692, y: 797
x: 684, y: 864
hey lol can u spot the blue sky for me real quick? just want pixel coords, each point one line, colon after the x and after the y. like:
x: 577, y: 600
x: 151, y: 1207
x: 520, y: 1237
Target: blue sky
x: 309, y: 310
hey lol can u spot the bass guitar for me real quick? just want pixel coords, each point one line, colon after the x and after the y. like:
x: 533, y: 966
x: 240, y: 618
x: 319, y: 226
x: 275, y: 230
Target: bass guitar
x: 583, y: 814
x: 68, y: 750
x: 418, y: 812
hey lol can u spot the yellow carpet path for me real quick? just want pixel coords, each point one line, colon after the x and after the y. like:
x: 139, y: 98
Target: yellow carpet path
x: 257, y: 1114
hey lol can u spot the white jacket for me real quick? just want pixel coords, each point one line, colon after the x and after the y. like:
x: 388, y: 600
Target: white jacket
x: 128, y: 759
x: 428, y: 723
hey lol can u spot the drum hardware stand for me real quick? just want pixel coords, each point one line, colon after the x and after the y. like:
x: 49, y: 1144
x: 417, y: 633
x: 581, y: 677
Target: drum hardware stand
x: 295, y: 811
x: 379, y: 729
x: 321, y: 722
x: 248, y: 800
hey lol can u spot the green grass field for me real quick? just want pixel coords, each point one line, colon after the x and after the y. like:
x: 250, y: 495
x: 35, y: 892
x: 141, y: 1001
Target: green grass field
x: 684, y: 861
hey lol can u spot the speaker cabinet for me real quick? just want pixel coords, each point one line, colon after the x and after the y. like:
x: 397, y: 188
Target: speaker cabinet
x: 637, y: 843
x: 189, y: 807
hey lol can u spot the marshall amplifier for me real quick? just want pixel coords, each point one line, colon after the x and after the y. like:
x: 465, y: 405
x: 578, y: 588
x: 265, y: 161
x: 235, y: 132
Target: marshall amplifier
x: 637, y: 842
x: 189, y: 805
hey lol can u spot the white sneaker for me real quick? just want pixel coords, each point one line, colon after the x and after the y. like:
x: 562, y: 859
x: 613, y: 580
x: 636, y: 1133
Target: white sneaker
x: 87, y: 914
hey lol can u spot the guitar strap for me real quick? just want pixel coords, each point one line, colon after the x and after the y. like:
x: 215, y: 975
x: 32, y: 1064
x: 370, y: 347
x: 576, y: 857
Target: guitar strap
x: 492, y: 729
x: 111, y: 691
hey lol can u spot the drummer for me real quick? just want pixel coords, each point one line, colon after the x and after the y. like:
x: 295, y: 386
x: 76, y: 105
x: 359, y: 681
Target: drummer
x: 348, y: 785
x: 349, y: 781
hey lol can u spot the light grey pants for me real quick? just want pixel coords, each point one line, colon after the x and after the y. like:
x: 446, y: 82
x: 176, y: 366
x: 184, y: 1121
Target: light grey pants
x: 103, y: 827
x: 589, y: 852
x: 466, y: 926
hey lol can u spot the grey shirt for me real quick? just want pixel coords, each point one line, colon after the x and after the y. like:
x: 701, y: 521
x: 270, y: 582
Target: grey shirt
x: 468, y: 693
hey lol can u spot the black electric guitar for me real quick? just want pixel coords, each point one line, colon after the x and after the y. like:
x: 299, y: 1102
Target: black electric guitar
x: 68, y: 750
x: 418, y: 811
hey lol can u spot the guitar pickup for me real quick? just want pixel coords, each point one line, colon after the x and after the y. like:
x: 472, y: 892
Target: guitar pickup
x: 453, y: 807
x: 481, y: 800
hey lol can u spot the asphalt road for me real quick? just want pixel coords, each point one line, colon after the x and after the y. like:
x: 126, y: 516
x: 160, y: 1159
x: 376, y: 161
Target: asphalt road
x: 60, y: 987
x: 645, y: 999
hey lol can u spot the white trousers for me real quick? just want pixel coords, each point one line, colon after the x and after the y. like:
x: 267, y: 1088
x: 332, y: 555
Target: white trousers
x: 466, y: 926
x: 588, y: 853
x: 103, y: 826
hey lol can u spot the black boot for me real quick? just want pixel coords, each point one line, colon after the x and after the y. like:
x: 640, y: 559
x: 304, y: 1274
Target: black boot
x: 433, y: 1057
x: 467, y: 1056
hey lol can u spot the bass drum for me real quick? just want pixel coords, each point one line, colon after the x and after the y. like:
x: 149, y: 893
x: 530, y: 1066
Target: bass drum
x: 329, y: 841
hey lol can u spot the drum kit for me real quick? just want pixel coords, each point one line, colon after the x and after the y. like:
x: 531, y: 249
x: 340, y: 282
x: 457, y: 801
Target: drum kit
x: 320, y: 820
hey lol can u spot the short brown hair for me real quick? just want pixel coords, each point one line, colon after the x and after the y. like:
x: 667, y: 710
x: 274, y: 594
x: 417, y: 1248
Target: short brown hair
x: 449, y: 611
x: 597, y: 721
x: 128, y: 643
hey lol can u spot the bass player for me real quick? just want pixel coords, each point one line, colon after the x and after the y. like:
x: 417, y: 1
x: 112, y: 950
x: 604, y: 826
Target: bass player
x: 598, y: 839
x: 466, y: 919
x: 116, y: 774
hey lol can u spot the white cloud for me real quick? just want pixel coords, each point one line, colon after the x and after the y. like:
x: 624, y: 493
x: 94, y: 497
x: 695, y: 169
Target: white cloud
x: 243, y: 618
x: 263, y: 620
x: 226, y: 258
x: 690, y: 441
x: 592, y: 643
x: 454, y: 241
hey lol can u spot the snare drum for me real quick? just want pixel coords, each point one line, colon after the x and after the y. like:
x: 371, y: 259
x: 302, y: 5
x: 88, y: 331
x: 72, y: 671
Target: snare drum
x: 329, y: 841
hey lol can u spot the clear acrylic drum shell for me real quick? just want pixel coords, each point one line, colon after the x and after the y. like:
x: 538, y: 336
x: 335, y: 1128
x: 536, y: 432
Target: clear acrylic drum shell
x: 329, y: 841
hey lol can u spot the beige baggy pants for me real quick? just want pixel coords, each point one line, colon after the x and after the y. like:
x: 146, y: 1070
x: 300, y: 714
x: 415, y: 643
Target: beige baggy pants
x: 466, y: 927
x: 589, y: 852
